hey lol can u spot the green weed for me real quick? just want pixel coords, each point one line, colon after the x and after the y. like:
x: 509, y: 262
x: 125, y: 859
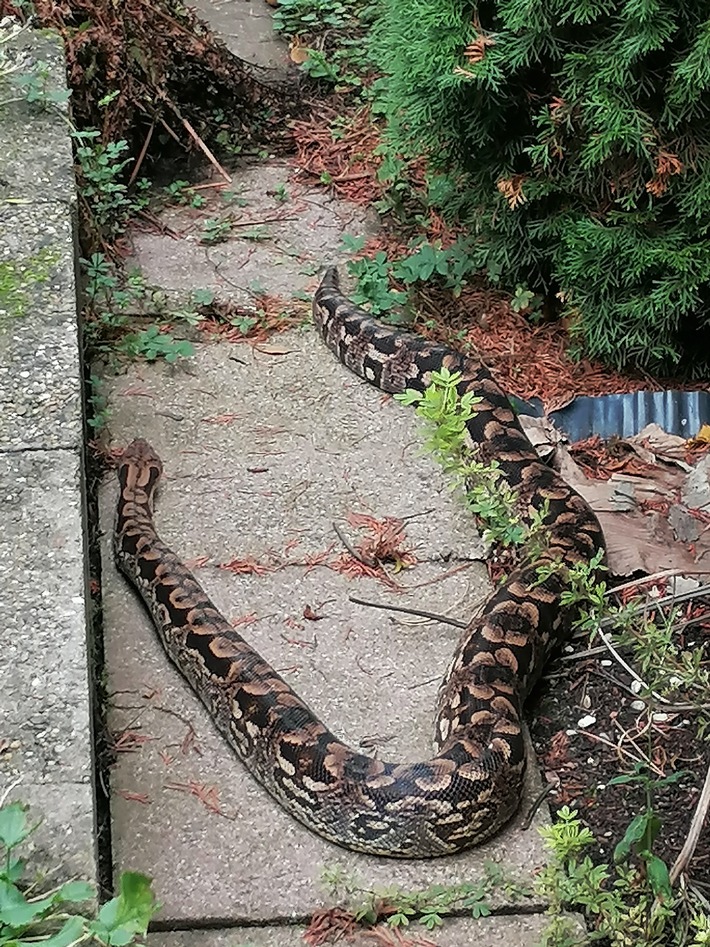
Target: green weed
x: 215, y: 230
x: 52, y: 918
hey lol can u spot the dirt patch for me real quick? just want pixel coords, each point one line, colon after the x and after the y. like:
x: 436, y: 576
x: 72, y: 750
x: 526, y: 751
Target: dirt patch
x: 580, y: 757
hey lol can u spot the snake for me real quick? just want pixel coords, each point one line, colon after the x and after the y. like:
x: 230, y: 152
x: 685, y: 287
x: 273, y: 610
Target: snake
x: 472, y: 785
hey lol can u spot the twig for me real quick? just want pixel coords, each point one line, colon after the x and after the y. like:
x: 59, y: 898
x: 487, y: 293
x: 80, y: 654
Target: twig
x: 578, y: 655
x: 627, y: 667
x: 170, y: 132
x: 655, y: 603
x: 9, y: 789
x: 620, y: 749
x: 141, y: 156
x: 665, y: 574
x: 263, y: 220
x: 535, y: 806
x: 600, y: 672
x: 205, y: 150
x: 413, y: 516
x: 353, y: 552
x: 696, y: 827
x: 625, y: 734
x: 410, y: 611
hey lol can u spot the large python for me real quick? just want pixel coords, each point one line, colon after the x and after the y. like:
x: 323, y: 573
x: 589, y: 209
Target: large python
x: 472, y: 785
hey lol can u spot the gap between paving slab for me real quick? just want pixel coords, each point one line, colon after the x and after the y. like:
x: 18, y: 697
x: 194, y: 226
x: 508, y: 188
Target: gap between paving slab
x: 498, y: 931
x: 259, y: 453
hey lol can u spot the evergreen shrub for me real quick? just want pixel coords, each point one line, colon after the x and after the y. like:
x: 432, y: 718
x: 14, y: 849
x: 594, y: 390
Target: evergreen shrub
x: 573, y: 137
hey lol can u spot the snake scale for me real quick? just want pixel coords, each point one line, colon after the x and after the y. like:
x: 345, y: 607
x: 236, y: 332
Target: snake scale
x: 472, y: 785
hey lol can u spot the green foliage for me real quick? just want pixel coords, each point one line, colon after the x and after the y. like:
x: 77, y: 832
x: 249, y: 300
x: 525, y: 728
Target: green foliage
x: 215, y: 230
x: 52, y: 919
x: 180, y: 192
x: 575, y: 138
x: 101, y: 181
x: 294, y: 17
x: 630, y: 904
x: 373, y: 284
x: 446, y: 414
x: 450, y: 266
x: 113, y: 298
x: 98, y: 412
x: 399, y: 908
x: 153, y: 343
x: 332, y: 32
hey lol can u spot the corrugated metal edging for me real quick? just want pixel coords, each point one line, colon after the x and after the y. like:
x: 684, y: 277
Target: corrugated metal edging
x: 678, y: 412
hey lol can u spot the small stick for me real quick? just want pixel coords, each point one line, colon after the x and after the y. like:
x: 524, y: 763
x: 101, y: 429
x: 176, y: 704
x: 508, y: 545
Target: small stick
x: 409, y: 611
x: 141, y: 156
x: 412, y: 516
x: 169, y: 130
x: 353, y: 552
x: 578, y: 655
x: 620, y: 749
x: 600, y: 672
x: 696, y: 827
x: 655, y: 603
x: 665, y: 574
x: 258, y: 223
x: 527, y: 822
x: 627, y: 667
x: 9, y: 789
x: 205, y: 150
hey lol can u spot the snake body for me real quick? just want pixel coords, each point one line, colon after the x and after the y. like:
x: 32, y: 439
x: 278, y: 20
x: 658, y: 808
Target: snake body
x: 472, y: 785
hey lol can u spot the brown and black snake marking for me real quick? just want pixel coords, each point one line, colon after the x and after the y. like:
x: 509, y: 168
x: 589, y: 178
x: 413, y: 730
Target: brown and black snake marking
x: 472, y: 786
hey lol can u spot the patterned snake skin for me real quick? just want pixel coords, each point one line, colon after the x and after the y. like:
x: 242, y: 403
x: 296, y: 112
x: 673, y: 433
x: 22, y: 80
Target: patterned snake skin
x: 472, y: 786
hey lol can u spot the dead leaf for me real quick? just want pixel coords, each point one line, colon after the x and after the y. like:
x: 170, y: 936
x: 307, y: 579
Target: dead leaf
x: 244, y: 567
x: 643, y: 543
x: 297, y: 53
x: 702, y: 437
x: 135, y: 796
x: 207, y: 795
x: 310, y: 615
x: 667, y: 447
x: 542, y: 434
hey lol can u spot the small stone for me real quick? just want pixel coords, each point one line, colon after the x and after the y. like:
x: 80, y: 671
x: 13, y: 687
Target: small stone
x: 587, y: 721
x: 637, y: 705
x: 636, y: 687
x: 606, y: 663
x: 660, y: 717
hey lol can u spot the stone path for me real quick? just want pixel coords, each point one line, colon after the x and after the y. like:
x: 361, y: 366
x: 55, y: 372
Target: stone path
x: 265, y: 447
x: 45, y: 715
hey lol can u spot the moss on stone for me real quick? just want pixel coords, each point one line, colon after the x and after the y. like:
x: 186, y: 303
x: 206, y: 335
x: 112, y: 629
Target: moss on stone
x: 17, y: 277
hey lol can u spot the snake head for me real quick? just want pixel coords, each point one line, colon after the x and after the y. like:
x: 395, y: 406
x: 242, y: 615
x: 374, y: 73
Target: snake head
x: 139, y: 470
x: 139, y: 453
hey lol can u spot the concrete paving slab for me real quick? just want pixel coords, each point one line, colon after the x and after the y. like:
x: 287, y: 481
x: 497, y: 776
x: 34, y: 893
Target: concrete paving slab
x: 288, y: 440
x: 275, y: 245
x: 45, y: 727
x: 260, y: 452
x: 40, y: 383
x: 494, y: 931
x: 246, y: 29
x: 36, y: 262
x: 36, y: 161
